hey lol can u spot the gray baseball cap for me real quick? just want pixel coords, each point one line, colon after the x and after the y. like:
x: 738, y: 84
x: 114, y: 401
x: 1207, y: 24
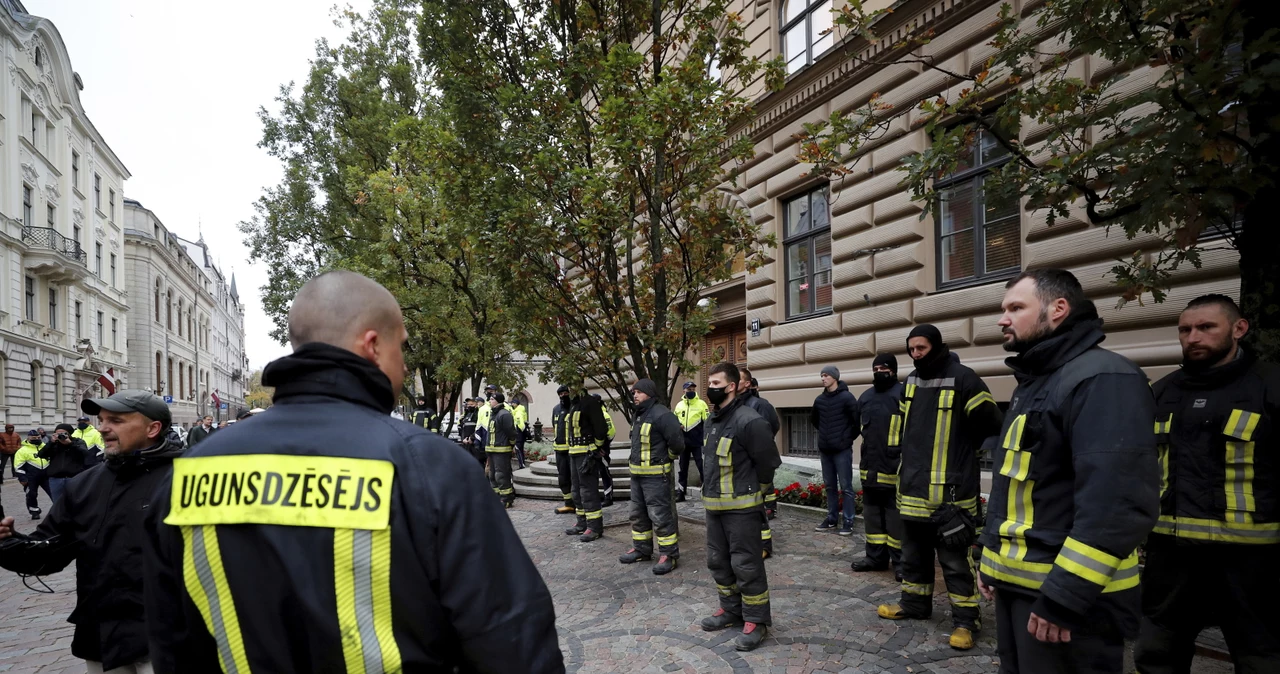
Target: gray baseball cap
x: 147, y: 404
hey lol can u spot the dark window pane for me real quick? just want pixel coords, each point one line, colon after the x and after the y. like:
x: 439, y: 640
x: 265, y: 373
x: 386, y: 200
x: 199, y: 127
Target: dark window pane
x: 797, y: 297
x: 956, y: 213
x: 820, y: 218
x: 957, y: 257
x: 998, y: 204
x: 1003, y: 245
x: 822, y: 271
x: 797, y: 216
x: 798, y: 260
x: 990, y: 147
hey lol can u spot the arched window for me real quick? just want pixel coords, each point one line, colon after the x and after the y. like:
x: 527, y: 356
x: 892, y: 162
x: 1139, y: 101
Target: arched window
x: 182, y: 379
x: 58, y: 402
x: 191, y: 381
x: 181, y: 305
x: 36, y: 382
x: 169, y: 313
x: 159, y: 381
x: 157, y: 300
x: 169, y: 379
x: 806, y: 31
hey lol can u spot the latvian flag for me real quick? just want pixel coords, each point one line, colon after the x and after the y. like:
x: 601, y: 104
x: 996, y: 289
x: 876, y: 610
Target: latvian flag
x: 108, y: 381
x: 216, y: 399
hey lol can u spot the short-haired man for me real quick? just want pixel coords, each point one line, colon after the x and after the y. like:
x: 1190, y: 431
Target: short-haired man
x: 200, y: 432
x: 1075, y: 488
x: 740, y: 457
x: 656, y: 441
x: 98, y: 524
x: 1213, y: 556
x: 588, y: 431
x: 355, y: 541
x: 692, y: 413
x: 878, y: 467
x: 835, y: 417
x: 948, y: 415
x: 750, y: 393
x: 502, y: 439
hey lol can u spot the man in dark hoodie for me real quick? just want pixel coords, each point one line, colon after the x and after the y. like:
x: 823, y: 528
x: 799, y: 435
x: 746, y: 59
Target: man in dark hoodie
x: 98, y: 524
x: 359, y: 542
x: 67, y: 457
x: 1076, y: 487
x: 835, y: 415
x: 948, y: 413
x: 878, y: 467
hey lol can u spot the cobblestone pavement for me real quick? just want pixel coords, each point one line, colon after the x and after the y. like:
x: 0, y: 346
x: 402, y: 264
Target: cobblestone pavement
x: 614, y: 618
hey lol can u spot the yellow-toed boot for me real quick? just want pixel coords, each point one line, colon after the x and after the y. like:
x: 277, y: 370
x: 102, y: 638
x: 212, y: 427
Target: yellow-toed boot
x: 892, y: 612
x: 961, y: 639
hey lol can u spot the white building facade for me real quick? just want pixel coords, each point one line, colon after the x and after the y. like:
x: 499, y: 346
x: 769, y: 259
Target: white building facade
x: 229, y: 376
x: 63, y: 299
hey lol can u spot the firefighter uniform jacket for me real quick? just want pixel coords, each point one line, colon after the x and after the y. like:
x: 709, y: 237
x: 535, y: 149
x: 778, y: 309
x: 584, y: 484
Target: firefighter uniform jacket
x: 502, y: 430
x: 560, y: 422
x: 1075, y: 487
x: 764, y: 408
x: 1219, y: 460
x: 739, y: 456
x: 325, y: 536
x: 946, y: 415
x: 588, y: 430
x: 878, y: 465
x: 426, y: 419
x: 656, y: 439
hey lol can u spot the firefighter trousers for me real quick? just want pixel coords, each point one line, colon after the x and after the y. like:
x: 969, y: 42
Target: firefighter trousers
x: 919, y: 545
x: 884, y: 528
x: 653, y: 514
x: 1187, y: 587
x: 1099, y: 651
x: 500, y: 475
x: 586, y: 491
x: 606, y: 478
x: 733, y: 556
x: 564, y: 466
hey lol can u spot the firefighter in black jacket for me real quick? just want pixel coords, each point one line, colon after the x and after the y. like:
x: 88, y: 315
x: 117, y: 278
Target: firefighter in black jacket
x: 325, y: 536
x: 656, y: 442
x: 1213, y: 556
x: 502, y: 441
x: 425, y: 417
x: 560, y: 422
x: 1074, y: 491
x: 750, y: 394
x: 588, y: 431
x: 878, y: 468
x: 740, y: 457
x: 947, y: 413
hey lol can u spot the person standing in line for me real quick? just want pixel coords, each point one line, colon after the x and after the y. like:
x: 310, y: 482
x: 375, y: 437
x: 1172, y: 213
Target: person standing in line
x: 948, y: 414
x: 656, y: 441
x: 878, y: 467
x: 10, y: 443
x: 483, y: 414
x: 560, y: 444
x: 200, y: 432
x: 67, y: 457
x: 33, y: 473
x: 751, y: 398
x: 1213, y: 556
x: 836, y: 418
x: 586, y: 424
x: 502, y: 433
x: 425, y: 417
x: 520, y: 416
x: 740, y: 456
x: 601, y: 454
x: 1076, y: 487
x: 692, y: 413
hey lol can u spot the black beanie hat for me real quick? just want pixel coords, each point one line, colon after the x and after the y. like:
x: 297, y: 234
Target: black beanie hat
x: 65, y: 427
x: 888, y: 360
x: 500, y: 398
x: 928, y: 332
x: 647, y: 387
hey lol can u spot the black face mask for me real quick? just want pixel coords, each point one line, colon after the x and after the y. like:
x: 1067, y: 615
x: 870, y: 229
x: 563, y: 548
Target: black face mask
x: 82, y: 425
x: 564, y: 400
x: 488, y: 396
x: 690, y: 395
x: 717, y: 395
x: 884, y: 380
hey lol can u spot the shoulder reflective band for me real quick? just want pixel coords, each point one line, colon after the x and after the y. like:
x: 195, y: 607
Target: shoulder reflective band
x: 362, y: 587
x: 301, y: 491
x: 206, y: 583
x: 974, y: 402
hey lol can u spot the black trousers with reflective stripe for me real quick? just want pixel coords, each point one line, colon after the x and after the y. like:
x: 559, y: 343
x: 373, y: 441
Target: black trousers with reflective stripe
x: 606, y: 478
x: 500, y: 474
x: 880, y: 513
x: 1187, y: 587
x: 733, y: 556
x: 586, y: 488
x: 653, y: 509
x: 1099, y: 651
x: 564, y: 466
x: 919, y: 545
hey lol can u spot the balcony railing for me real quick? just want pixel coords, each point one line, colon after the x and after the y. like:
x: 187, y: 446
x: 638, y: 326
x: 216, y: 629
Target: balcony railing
x: 44, y: 237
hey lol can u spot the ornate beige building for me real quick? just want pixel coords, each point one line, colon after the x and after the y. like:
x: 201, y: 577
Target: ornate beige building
x: 63, y: 304
x: 856, y: 266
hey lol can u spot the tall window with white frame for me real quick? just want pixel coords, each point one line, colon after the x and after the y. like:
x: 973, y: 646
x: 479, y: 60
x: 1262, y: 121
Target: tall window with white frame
x: 807, y: 31
x: 807, y: 244
x: 79, y: 320
x: 53, y: 308
x: 113, y: 270
x: 30, y: 307
x: 51, y: 215
x: 115, y: 334
x: 979, y: 231
x: 101, y: 342
x: 97, y: 191
x: 97, y: 259
x: 28, y: 213
x: 111, y: 205
x: 75, y: 169
x: 35, y: 384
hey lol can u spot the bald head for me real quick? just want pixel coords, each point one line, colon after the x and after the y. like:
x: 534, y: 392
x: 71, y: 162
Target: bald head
x: 337, y: 307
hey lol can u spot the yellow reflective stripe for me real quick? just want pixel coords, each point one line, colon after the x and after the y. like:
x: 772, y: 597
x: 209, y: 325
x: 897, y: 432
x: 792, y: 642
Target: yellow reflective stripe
x: 645, y: 445
x: 579, y: 449
x: 766, y: 534
x: 206, y: 583
x: 595, y: 514
x: 1162, y: 452
x: 1239, y: 482
x: 498, y: 450
x: 642, y: 535
x: 756, y: 599
x: 881, y: 478
x: 974, y: 402
x: 893, y: 542
x: 1241, y: 424
x: 770, y: 496
x: 732, y: 502
x: 1013, y: 436
x: 963, y: 601
x: 877, y: 539
x: 726, y: 590
x: 1088, y: 562
x: 667, y: 541
x: 1032, y: 575
x: 561, y: 448
x: 895, y: 430
x: 1019, y: 517
x: 362, y: 587
x: 1219, y: 531
x: 724, y: 461
x: 921, y: 589
x: 1017, y: 464
x: 1165, y: 426
x: 660, y: 469
x: 941, y: 443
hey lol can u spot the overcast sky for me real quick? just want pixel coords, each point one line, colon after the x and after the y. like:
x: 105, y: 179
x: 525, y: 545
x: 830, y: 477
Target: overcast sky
x: 174, y: 87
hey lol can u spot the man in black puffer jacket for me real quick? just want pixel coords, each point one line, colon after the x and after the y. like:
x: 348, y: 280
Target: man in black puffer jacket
x: 878, y: 467
x: 835, y: 415
x: 67, y: 457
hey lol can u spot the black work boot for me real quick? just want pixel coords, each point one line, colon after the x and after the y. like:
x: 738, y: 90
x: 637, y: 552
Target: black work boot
x: 633, y: 555
x: 591, y: 534
x: 720, y: 620
x: 865, y: 564
x: 753, y: 635
x: 679, y: 496
x: 577, y: 529
x: 665, y: 565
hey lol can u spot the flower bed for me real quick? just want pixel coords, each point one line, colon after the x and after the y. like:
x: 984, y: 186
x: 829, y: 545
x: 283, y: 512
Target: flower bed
x: 813, y: 494
x: 537, y: 451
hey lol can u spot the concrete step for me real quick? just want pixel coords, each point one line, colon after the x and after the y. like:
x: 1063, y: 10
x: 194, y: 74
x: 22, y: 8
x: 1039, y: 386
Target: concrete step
x: 549, y: 468
x: 617, y: 457
x: 532, y: 485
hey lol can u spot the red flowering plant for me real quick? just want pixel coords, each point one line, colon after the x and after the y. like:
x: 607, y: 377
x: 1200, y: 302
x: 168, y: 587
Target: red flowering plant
x: 813, y: 494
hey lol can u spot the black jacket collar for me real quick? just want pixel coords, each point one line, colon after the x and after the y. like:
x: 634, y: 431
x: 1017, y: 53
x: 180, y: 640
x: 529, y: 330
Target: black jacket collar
x: 327, y: 371
x: 1066, y: 343
x: 1216, y: 377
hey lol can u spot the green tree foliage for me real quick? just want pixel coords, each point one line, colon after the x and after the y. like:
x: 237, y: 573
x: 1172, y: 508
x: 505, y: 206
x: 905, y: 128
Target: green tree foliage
x: 598, y: 139
x: 1190, y: 160
x: 368, y: 176
x: 258, y: 395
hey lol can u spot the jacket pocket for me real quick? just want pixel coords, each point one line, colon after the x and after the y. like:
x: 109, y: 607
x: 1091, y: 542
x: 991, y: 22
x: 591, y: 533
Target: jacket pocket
x: 1019, y: 443
x: 1239, y: 430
